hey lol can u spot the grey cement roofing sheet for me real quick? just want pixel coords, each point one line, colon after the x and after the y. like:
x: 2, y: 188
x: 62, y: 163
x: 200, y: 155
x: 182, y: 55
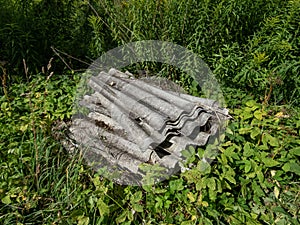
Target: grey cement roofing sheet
x: 131, y: 122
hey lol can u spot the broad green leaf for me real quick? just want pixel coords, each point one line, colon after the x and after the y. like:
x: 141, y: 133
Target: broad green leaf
x: 280, y: 210
x: 137, y: 207
x: 83, y: 220
x: 227, y: 185
x: 254, y: 132
x: 122, y: 217
x: 258, y: 114
x: 91, y: 201
x: 102, y: 207
x: 228, y: 143
x: 272, y: 140
x: 6, y: 200
x: 229, y: 152
x: 23, y: 127
x: 176, y: 185
x: 219, y: 185
x: 264, y: 139
x: 295, y: 151
x: 159, y: 202
x: 159, y: 190
x: 192, y: 150
x: 248, y: 151
x: 185, y: 153
x: 77, y: 213
x: 192, y: 175
x: 204, y: 167
x: 201, y: 152
x: 229, y: 131
x: 223, y: 159
x: 211, y: 183
x: 248, y: 166
x: 26, y: 159
x: 263, y: 147
x: 130, y: 215
x: 298, y: 124
x: 245, y: 130
x: 136, y: 197
x: 167, y: 204
x: 269, y: 162
x: 199, y: 185
x: 247, y: 114
x: 251, y: 174
x: 4, y: 106
x: 212, y: 195
x: 237, y: 111
x: 147, y: 188
x: 230, y: 179
x: 192, y: 197
x: 257, y: 189
x: 260, y: 176
x: 292, y: 167
x: 251, y: 103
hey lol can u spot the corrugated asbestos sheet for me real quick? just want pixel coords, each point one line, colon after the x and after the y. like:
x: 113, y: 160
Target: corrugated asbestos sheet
x: 133, y: 122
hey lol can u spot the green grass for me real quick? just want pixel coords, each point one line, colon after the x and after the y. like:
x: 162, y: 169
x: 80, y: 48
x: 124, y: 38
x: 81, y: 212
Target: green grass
x: 251, y: 47
x: 254, y: 179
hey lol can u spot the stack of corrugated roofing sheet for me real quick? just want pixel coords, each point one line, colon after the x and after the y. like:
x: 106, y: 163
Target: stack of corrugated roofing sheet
x: 133, y: 122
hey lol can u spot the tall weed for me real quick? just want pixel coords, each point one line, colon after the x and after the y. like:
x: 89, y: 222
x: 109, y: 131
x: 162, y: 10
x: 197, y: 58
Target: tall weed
x: 268, y: 64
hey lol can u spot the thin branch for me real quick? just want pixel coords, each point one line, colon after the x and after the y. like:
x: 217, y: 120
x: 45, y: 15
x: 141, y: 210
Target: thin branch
x: 57, y: 51
x: 62, y: 59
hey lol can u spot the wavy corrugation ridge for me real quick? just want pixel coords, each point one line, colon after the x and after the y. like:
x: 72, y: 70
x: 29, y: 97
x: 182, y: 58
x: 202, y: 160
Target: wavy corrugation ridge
x: 131, y: 123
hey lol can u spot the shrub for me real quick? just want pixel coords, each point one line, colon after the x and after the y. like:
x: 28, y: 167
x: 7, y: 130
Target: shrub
x: 30, y: 28
x: 253, y: 179
x: 267, y: 65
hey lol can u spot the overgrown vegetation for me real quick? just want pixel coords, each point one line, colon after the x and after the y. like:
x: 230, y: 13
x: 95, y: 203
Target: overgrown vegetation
x: 253, y: 49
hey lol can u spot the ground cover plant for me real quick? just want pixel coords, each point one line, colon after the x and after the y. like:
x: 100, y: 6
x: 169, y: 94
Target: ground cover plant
x: 252, y: 48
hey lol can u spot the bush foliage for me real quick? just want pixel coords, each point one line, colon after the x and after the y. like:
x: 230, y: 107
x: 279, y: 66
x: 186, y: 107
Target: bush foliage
x: 249, y: 46
x: 254, y: 179
x: 252, y: 48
